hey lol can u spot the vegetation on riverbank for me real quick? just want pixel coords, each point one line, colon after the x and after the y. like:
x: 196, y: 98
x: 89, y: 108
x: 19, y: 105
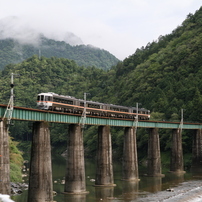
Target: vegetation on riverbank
x: 16, y: 162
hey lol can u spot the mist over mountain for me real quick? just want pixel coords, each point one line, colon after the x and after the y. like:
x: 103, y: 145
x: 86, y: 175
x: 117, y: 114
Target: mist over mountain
x: 20, y: 40
x: 21, y: 30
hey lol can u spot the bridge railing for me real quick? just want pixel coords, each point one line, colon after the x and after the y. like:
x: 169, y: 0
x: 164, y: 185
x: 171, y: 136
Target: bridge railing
x: 29, y: 114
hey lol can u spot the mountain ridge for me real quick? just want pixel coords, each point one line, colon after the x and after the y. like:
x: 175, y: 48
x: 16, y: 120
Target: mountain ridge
x: 18, y: 42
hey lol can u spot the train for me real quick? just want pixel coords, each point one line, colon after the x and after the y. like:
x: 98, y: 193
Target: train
x: 68, y: 104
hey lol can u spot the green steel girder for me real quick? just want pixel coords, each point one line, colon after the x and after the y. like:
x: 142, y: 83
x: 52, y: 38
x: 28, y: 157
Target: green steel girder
x: 27, y: 114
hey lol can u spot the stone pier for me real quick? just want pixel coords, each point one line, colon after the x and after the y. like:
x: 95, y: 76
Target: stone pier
x: 40, y: 177
x: 75, y: 172
x: 130, y: 161
x: 197, y: 148
x: 104, y: 170
x: 154, y: 157
x: 177, y: 164
x: 4, y: 159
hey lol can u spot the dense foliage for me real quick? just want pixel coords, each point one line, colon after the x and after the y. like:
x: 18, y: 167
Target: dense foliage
x: 165, y: 76
x: 12, y: 52
x: 36, y: 75
x: 16, y: 162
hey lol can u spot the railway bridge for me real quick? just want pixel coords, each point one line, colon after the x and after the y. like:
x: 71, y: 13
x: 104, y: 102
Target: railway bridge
x: 40, y: 178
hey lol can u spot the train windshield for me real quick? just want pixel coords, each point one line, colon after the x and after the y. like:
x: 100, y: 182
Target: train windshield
x: 40, y: 97
x: 44, y: 98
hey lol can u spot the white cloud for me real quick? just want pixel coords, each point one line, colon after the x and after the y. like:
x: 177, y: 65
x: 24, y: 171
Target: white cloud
x: 119, y: 26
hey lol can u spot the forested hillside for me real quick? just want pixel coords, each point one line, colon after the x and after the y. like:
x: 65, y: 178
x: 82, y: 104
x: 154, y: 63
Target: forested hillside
x: 12, y: 52
x: 165, y: 76
x: 61, y: 76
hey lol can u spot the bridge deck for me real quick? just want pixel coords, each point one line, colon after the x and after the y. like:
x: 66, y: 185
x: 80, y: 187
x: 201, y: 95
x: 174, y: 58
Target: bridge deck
x: 29, y: 114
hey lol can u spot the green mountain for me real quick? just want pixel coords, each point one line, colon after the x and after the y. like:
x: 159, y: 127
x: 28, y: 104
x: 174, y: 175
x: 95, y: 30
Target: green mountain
x: 165, y: 76
x: 13, y: 52
x: 59, y: 75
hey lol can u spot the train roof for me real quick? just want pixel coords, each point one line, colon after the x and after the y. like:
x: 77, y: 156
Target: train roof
x: 56, y: 95
x: 48, y: 94
x: 140, y: 109
x: 119, y: 106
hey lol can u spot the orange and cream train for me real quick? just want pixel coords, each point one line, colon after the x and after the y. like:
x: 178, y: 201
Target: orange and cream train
x: 68, y: 104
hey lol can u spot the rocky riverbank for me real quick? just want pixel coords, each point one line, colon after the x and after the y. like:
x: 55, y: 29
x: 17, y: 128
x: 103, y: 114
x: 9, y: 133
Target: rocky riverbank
x: 190, y: 191
x: 18, y: 188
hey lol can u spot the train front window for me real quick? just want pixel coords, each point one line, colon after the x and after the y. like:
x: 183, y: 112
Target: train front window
x: 42, y: 97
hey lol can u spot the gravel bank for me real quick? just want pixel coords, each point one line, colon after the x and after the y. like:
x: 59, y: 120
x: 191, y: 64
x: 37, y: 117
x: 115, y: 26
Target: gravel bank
x: 185, y: 192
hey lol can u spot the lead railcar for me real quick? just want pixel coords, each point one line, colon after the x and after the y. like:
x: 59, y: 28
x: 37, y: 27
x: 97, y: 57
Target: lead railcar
x: 54, y: 102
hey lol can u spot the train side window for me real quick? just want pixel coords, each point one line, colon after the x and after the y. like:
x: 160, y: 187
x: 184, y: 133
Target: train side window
x: 47, y: 98
x: 93, y: 106
x: 124, y: 110
x: 70, y: 102
x: 54, y: 100
x: 114, y: 109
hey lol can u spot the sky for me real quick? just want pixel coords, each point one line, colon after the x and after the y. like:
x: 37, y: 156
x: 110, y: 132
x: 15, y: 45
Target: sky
x: 118, y: 26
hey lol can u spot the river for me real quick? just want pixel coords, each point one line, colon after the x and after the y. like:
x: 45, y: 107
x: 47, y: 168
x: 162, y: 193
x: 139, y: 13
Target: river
x: 169, y: 188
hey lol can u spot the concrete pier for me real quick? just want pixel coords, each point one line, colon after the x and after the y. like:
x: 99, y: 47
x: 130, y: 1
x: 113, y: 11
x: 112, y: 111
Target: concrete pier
x: 197, y: 148
x: 75, y: 171
x: 177, y: 164
x: 4, y: 159
x: 154, y: 156
x: 40, y: 179
x: 130, y: 161
x: 104, y: 170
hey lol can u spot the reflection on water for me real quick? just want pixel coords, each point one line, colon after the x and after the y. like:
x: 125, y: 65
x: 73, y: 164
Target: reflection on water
x: 104, y: 193
x: 75, y: 198
x: 130, y: 190
x: 197, y: 171
x: 124, y: 190
x: 155, y: 184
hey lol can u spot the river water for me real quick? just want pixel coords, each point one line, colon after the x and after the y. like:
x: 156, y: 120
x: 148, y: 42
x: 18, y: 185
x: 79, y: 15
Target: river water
x: 186, y: 187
